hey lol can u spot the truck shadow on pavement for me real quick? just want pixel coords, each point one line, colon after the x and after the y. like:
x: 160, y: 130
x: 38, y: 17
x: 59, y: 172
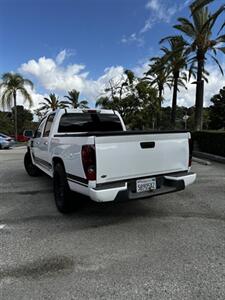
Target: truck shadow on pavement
x: 96, y: 215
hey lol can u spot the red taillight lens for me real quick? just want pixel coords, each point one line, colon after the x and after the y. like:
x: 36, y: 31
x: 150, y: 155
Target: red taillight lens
x: 190, y: 152
x: 89, y: 161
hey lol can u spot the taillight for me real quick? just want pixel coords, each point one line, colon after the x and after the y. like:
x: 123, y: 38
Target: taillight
x: 190, y: 152
x: 89, y: 161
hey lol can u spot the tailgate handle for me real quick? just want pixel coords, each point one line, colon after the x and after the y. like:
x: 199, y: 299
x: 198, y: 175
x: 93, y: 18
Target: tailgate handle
x: 147, y: 145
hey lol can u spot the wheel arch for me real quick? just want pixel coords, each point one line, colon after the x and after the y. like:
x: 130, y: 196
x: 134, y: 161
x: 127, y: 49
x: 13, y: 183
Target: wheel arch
x: 56, y: 160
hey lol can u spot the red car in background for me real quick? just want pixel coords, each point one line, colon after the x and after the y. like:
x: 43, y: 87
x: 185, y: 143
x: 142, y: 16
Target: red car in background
x: 22, y: 138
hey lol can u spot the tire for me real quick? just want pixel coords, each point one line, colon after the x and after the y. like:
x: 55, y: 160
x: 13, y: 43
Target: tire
x: 63, y: 194
x: 31, y: 169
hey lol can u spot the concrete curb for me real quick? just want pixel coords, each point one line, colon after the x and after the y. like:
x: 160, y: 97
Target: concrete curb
x: 19, y: 147
x: 209, y: 156
x: 201, y: 161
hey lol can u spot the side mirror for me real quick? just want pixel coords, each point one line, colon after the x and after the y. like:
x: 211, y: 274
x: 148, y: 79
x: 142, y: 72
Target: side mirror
x: 28, y: 133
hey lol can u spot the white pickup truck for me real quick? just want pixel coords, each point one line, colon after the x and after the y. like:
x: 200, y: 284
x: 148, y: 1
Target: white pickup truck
x: 91, y: 153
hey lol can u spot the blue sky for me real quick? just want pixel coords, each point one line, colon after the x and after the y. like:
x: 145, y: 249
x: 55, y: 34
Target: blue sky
x: 61, y: 44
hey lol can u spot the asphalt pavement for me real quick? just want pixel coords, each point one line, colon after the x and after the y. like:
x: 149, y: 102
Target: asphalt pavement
x: 167, y: 247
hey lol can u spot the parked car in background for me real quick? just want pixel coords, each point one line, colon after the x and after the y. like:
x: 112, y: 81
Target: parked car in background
x: 21, y: 138
x: 6, y: 141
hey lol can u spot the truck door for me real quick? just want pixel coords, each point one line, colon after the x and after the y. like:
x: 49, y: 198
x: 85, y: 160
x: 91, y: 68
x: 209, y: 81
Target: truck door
x: 36, y: 142
x: 45, y: 142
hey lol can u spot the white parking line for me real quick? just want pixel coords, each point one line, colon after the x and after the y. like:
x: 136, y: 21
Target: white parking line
x: 2, y: 226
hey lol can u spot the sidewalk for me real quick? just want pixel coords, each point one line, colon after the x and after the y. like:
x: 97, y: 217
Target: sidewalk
x: 209, y: 156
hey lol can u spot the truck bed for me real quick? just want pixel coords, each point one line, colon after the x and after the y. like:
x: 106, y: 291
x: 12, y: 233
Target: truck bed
x: 115, y: 133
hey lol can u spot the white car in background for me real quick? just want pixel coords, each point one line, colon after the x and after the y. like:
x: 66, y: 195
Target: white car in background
x: 6, y: 141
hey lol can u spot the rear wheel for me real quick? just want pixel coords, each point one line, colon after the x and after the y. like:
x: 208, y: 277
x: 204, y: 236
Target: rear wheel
x: 31, y: 169
x: 62, y: 192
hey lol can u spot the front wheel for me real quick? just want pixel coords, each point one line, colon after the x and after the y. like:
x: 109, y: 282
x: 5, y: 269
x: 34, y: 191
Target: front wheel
x: 31, y: 169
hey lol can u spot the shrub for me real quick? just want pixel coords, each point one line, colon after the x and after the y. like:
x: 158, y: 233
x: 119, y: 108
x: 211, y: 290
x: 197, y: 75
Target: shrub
x: 210, y: 141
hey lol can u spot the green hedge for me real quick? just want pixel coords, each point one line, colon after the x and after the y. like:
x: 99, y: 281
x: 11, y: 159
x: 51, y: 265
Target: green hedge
x: 210, y: 142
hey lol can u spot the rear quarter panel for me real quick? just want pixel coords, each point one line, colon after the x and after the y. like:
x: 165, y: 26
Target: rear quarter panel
x: 69, y: 150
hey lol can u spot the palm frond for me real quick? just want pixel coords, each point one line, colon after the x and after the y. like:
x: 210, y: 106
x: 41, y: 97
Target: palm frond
x: 26, y: 95
x: 29, y: 82
x: 220, y: 39
x: 167, y: 38
x: 222, y: 49
x: 212, y: 19
x: 218, y: 64
x: 221, y: 28
x: 66, y: 102
x: 6, y: 99
x: 199, y: 4
x: 47, y: 100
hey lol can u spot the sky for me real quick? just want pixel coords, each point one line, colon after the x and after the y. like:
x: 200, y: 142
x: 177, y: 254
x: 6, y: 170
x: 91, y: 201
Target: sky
x: 82, y: 44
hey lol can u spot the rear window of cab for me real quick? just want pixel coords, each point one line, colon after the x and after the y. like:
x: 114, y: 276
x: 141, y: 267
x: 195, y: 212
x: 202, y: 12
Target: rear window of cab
x: 89, y: 122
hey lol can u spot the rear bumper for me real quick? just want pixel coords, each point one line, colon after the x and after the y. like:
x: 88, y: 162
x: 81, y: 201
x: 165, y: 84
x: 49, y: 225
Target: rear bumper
x: 165, y: 184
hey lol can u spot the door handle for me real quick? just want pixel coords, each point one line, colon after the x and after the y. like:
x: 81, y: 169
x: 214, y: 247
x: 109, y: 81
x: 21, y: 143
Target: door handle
x: 147, y: 145
x: 45, y: 143
x: 37, y: 143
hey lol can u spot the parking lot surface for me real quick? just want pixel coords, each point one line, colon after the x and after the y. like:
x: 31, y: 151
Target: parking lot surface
x: 168, y: 247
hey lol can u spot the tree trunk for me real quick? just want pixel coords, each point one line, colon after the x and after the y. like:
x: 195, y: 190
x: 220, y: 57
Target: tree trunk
x: 174, y: 101
x: 158, y: 116
x: 15, y: 115
x: 199, y: 101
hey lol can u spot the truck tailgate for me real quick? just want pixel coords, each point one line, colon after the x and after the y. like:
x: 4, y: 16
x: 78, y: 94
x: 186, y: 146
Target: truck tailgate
x: 122, y: 157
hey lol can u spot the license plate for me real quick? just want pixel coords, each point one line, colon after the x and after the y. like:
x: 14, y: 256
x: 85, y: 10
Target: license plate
x: 146, y: 185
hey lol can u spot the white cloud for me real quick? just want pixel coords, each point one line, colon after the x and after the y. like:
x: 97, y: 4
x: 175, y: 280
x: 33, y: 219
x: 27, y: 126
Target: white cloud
x: 61, y: 57
x: 161, y: 11
x: 53, y: 76
x: 148, y: 25
x: 133, y: 38
x: 153, y: 4
x: 141, y: 68
x: 95, y: 88
x: 57, y: 78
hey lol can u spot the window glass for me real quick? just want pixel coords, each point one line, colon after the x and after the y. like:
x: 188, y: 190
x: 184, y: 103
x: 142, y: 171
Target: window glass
x: 48, y: 125
x: 40, y: 128
x: 89, y: 122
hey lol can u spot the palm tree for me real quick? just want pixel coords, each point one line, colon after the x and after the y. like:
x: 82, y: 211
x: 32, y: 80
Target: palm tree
x: 199, y: 31
x: 104, y: 102
x: 175, y: 58
x: 159, y: 76
x: 120, y: 95
x: 73, y: 100
x: 51, y: 103
x: 12, y: 83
